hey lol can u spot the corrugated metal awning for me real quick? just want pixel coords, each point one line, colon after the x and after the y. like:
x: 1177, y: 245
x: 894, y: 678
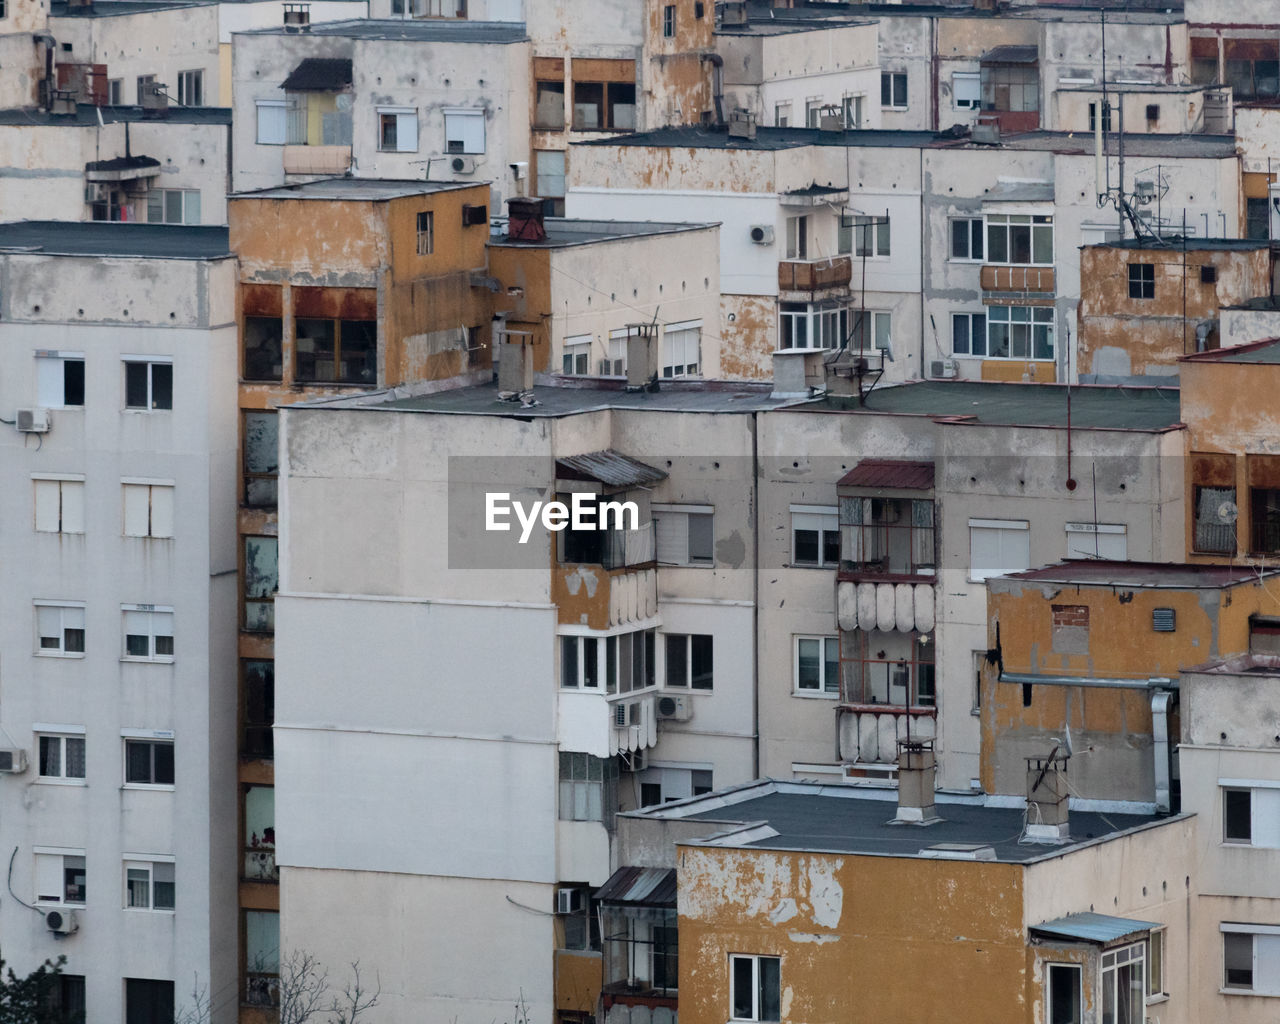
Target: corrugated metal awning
x: 610, y: 468
x: 898, y: 474
x: 650, y: 887
x: 1098, y: 928
x: 320, y: 74
x: 1012, y: 55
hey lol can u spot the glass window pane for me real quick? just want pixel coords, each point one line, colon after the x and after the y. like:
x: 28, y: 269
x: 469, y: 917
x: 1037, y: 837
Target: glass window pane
x: 831, y: 677
x: 590, y: 661
x: 677, y: 660
x: 358, y: 362
x: 807, y: 664
x: 263, y: 346
x: 137, y: 762
x: 172, y: 206
x: 51, y: 756
x: 164, y: 763
x: 770, y: 990
x: 701, y: 652
x: 742, y: 984
x: 135, y: 386
x: 162, y: 385
x: 138, y: 887
x: 569, y: 661
x: 700, y: 538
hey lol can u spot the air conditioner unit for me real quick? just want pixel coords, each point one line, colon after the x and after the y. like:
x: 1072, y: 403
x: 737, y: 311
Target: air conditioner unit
x: 675, y: 709
x: 945, y: 369
x: 620, y: 715
x: 762, y: 234
x: 13, y: 761
x: 33, y: 421
x: 61, y: 921
x: 463, y: 165
x: 568, y: 901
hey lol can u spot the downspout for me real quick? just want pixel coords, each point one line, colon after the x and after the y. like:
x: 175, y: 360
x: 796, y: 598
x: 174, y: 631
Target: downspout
x: 755, y: 602
x: 717, y: 83
x: 1154, y: 683
x: 1160, y: 700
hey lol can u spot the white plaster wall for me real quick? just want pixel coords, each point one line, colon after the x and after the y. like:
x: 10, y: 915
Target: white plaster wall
x: 1258, y: 137
x: 1242, y: 326
x: 582, y: 852
x: 240, y: 16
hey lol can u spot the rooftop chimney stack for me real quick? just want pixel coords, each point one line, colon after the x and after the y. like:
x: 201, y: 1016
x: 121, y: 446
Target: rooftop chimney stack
x: 515, y: 361
x: 642, y: 356
x: 1047, y: 819
x: 525, y: 219
x: 916, y: 764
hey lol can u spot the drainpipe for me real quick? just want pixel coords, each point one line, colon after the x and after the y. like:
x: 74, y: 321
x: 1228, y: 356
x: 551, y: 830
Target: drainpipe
x: 1154, y: 683
x: 717, y: 83
x: 1160, y: 700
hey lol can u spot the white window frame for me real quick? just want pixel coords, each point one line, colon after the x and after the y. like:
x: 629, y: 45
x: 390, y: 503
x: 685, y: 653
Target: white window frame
x: 186, y: 80
x: 60, y: 733
x: 189, y: 205
x: 148, y: 863
x: 893, y: 104
x: 155, y: 738
x: 827, y: 689
x: 155, y: 618
x: 460, y: 126
x: 853, y: 107
x: 688, y: 686
x: 877, y: 324
x: 1112, y: 961
x: 672, y: 534
x: 969, y: 223
x: 1049, y: 965
x: 782, y: 114
x: 1264, y: 812
x: 1016, y: 219
x: 813, y: 112
x: 616, y: 364
x: 755, y: 984
x: 1040, y: 319
x: 51, y: 373
x: 798, y: 237
x: 1156, y: 991
x: 575, y: 355
x: 58, y: 502
x: 1268, y: 975
x: 43, y: 870
x: 868, y: 235
x: 274, y: 131
x: 1017, y: 527
x: 580, y: 682
x: 151, y: 362
x: 406, y: 129
x: 820, y: 518
x: 976, y: 334
x: 973, y: 91
x: 1084, y: 539
x: 115, y: 92
x: 688, y: 334
x: 148, y: 507
x: 66, y: 622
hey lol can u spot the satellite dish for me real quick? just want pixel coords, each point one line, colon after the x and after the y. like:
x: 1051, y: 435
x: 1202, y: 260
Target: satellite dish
x: 1227, y: 512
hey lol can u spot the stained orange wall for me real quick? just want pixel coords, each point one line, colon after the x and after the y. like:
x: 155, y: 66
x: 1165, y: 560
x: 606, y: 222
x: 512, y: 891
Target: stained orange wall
x: 525, y: 274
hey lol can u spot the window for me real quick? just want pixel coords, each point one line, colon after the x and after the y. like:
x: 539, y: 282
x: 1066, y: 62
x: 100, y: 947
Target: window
x: 616, y: 364
x: 669, y: 21
x: 892, y: 536
x: 781, y: 115
x: 336, y: 351
x: 148, y: 384
x: 629, y: 661
x: 689, y: 660
x: 63, y: 1001
x: 426, y: 232
x: 1124, y: 984
x: 1250, y: 815
x: 115, y: 92
x: 548, y: 167
x: 813, y: 324
x: 1215, y: 519
x: 173, y: 206
x: 854, y: 111
x: 1011, y: 87
x: 607, y: 105
x: 263, y: 347
x: 59, y: 379
x: 1142, y: 281
x: 260, y: 834
x: 969, y: 334
x: 1237, y: 960
x: 144, y: 86
x: 148, y: 885
x: 1252, y: 68
x: 966, y: 90
x: 798, y: 238
x: 60, y: 629
x: 261, y: 458
x: 1251, y: 958
x: 893, y: 89
x: 1020, y: 332
x: 191, y: 88
x: 813, y: 113
x: 272, y: 122
x: 148, y: 633
x: 261, y: 581
x: 1063, y: 984
x: 1257, y: 219
x: 463, y: 131
x: 148, y: 508
x: 997, y: 547
x: 1093, y: 117
x: 60, y: 876
x: 817, y: 665
x: 1264, y: 516
x: 148, y: 1002
x: 578, y: 917
x: 588, y: 788
x: 863, y: 235
x: 576, y: 358
x: 966, y: 238
x: 1097, y: 540
x: 261, y: 958
x: 682, y: 349
x: 871, y: 330
x: 755, y: 987
x: 398, y: 129
x: 1023, y: 239
x: 259, y: 689
x: 815, y: 536
x: 548, y: 111
x: 580, y: 662
x: 148, y: 762
x: 887, y: 668
x: 62, y: 757
x: 59, y: 503
x: 684, y: 534
x: 1155, y: 963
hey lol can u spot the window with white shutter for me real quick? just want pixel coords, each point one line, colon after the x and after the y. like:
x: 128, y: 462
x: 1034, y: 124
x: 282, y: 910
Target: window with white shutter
x: 998, y: 547
x: 59, y: 504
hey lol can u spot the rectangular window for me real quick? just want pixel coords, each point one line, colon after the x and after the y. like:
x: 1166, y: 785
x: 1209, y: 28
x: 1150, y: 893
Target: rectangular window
x: 59, y: 504
x: 966, y: 239
x: 781, y: 115
x: 148, y: 633
x: 261, y: 581
x: 1237, y: 961
x: 966, y: 90
x: 817, y: 665
x: 259, y: 690
x: 893, y: 536
x: 148, y: 384
x: 798, y: 238
x: 148, y: 762
x: 893, y: 89
x: 1142, y: 281
x: 1097, y: 540
x: 872, y: 331
x: 629, y: 661
x: 263, y: 347
x: 576, y: 357
x: 689, y: 660
x: 682, y: 349
x: 145, y: 84
x: 261, y: 958
x: 1264, y: 520
x: 1011, y: 87
x: 60, y: 379
x: 148, y: 885
x: 1020, y: 239
x: 148, y: 1002
x: 1251, y: 815
x: 173, y: 206
x: 685, y: 534
x: 464, y: 131
x: 261, y: 458
x: 1020, y: 332
x: 969, y: 334
x: 115, y: 92
x: 616, y: 364
x: 887, y: 668
x: 1124, y: 983
x: 426, y: 232
x: 1155, y: 963
x: 1251, y: 958
x: 1063, y: 987
x: 64, y: 1002
x: 580, y: 662
x: 588, y: 788
x: 548, y: 168
x: 854, y: 111
x: 669, y: 21
x: 813, y: 113
x: 548, y: 111
x: 59, y: 629
x: 398, y: 129
x: 605, y: 105
x: 1215, y: 520
x: 272, y: 122
x: 191, y: 88
x: 336, y: 351
x: 998, y: 547
x: 61, y: 757
x: 814, y: 324
x: 870, y: 234
x: 1093, y: 117
x: 815, y: 536
x: 60, y: 876
x: 148, y: 509
x: 755, y: 987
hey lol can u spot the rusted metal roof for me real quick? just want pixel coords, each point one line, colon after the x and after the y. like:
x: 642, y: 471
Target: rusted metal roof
x: 1011, y: 55
x: 320, y: 74
x: 610, y: 468
x: 1102, y: 929
x: 650, y: 887
x: 1143, y: 575
x: 898, y: 474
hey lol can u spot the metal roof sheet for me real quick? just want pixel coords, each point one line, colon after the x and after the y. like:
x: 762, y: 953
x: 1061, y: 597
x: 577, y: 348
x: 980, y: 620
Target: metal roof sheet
x: 320, y: 74
x: 1140, y: 575
x: 653, y: 887
x: 611, y: 468
x: 1011, y: 55
x: 900, y: 474
x: 1089, y: 927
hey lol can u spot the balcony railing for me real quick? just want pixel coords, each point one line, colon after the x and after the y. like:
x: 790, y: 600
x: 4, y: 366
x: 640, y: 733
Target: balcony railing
x: 317, y: 159
x: 812, y: 275
x: 260, y: 865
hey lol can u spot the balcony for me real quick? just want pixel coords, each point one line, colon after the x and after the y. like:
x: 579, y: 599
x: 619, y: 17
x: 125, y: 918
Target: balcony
x: 869, y: 736
x: 260, y: 865
x: 1023, y: 283
x: 815, y: 275
x: 317, y: 159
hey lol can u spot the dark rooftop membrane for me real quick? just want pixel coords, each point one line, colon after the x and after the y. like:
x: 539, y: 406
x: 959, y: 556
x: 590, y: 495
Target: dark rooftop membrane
x: 102, y: 238
x: 1142, y: 575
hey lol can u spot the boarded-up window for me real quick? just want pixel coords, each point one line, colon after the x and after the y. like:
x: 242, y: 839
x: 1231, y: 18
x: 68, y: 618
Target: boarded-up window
x: 148, y: 509
x: 261, y: 580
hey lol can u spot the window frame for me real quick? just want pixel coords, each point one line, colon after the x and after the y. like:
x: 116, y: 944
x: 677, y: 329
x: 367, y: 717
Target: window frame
x: 580, y: 808
x: 1038, y: 227
x: 149, y: 863
x: 1121, y: 957
x: 889, y: 91
x: 188, y: 205
x: 1018, y: 526
x: 575, y: 353
x: 464, y: 121
x: 253, y: 477
x: 690, y: 560
x: 155, y: 739
x: 1230, y: 531
x: 973, y: 332
x: 669, y: 21
x: 588, y: 650
x: 690, y: 332
x: 335, y: 354
x: 266, y: 625
x: 64, y: 870
x: 1156, y: 950
x: 757, y: 983
x: 1035, y: 330
x: 67, y: 515
x: 826, y: 519
x: 1078, y: 970
x: 155, y: 394
x: 283, y: 132
x: 62, y: 734
x: 62, y: 650
x: 399, y: 140
x: 425, y: 224
x: 688, y: 641
x: 972, y: 78
x: 187, y: 79
x: 1142, y: 284
x: 156, y: 615
x: 865, y: 235
x: 976, y: 231
x: 826, y: 688
x: 51, y: 386
x: 160, y: 522
x: 855, y: 672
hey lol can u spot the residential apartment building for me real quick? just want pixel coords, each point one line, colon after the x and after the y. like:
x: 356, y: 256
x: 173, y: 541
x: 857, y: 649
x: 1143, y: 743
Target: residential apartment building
x: 118, y: 712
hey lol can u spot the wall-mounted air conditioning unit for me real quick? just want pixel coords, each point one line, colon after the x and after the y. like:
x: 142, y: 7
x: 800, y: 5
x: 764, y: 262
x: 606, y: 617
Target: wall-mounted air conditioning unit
x: 13, y: 761
x: 463, y: 164
x: 568, y: 901
x: 675, y: 709
x: 33, y: 421
x: 61, y: 921
x: 762, y: 234
x: 945, y: 369
x: 620, y: 715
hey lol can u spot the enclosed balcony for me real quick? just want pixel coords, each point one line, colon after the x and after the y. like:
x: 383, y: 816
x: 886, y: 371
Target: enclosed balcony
x: 815, y: 275
x: 887, y: 522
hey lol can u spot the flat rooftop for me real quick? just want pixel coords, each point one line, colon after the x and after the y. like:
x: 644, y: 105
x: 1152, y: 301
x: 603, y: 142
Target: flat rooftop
x: 429, y: 31
x: 563, y: 232
x: 117, y: 8
x: 375, y: 189
x: 1193, y: 244
x: 86, y: 115
x: 846, y: 819
x: 1143, y: 575
x: 1020, y: 404
x: 1263, y: 352
x: 100, y: 238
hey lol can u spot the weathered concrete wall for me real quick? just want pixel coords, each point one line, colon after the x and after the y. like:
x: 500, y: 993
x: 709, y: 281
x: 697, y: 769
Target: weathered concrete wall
x: 676, y: 80
x: 1242, y: 326
x: 1181, y: 109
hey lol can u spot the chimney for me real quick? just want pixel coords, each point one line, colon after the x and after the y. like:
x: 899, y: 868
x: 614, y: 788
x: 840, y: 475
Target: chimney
x: 524, y: 219
x: 1047, y: 799
x: 515, y: 361
x: 797, y: 372
x: 642, y: 356
x: 916, y: 764
x: 297, y: 16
